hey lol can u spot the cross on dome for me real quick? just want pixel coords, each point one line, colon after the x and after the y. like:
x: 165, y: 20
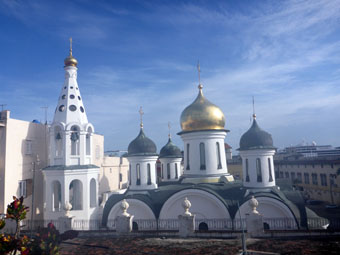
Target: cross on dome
x: 200, y: 86
x: 141, y: 113
x: 254, y: 114
x: 169, y: 127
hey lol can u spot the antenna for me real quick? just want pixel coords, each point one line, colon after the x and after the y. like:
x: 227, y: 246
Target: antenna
x: 141, y: 113
x: 2, y: 106
x: 45, y: 109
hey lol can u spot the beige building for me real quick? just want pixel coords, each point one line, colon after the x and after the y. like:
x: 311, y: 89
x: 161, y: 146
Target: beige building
x: 24, y: 147
x: 317, y: 177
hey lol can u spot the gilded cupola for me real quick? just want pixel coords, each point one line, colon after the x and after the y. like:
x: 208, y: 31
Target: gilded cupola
x: 202, y: 115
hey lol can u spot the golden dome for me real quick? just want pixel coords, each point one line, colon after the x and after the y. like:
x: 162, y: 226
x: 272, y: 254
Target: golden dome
x: 70, y: 61
x: 202, y: 115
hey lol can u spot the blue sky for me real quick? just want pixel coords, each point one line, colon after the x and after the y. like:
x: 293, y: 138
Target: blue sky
x: 144, y: 53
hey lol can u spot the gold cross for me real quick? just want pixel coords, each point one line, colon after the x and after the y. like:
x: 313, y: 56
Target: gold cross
x: 70, y: 46
x: 199, y: 72
x: 141, y: 113
x: 254, y: 114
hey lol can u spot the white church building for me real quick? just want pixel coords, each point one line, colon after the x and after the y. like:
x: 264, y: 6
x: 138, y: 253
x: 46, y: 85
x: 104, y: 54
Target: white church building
x: 72, y: 176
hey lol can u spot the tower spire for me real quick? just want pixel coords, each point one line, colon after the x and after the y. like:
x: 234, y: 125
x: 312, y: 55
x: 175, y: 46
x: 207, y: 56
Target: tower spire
x: 254, y: 114
x: 141, y: 113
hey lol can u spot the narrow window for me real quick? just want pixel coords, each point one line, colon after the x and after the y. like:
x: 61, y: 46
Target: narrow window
x: 138, y: 174
x: 258, y: 170
x: 149, y: 174
x: 219, y: 165
x: 22, y: 189
x: 306, y: 176
x: 129, y: 174
x: 202, y: 156
x: 247, y: 171
x: 168, y: 170
x: 162, y: 172
x: 28, y: 147
x: 270, y: 170
x: 176, y: 171
x: 188, y: 162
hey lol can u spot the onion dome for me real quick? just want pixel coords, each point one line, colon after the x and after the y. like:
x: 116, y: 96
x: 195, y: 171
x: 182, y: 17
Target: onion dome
x: 202, y: 115
x: 70, y: 60
x: 142, y: 146
x: 256, y: 138
x: 170, y: 150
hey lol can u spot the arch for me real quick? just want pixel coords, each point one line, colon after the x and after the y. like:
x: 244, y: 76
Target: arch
x: 218, y: 152
x: 168, y: 171
x: 58, y: 139
x: 56, y: 195
x: 89, y: 126
x: 203, y: 227
x: 93, y: 193
x: 134, y: 226
x: 76, y: 194
x: 270, y: 208
x: 75, y: 135
x: 202, y: 203
x: 247, y: 171
x: 89, y: 131
x: 138, y: 174
x: 72, y: 124
x: 59, y: 124
x: 137, y: 208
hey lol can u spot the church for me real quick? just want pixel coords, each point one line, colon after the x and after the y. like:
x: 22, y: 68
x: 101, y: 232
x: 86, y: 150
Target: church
x: 71, y: 178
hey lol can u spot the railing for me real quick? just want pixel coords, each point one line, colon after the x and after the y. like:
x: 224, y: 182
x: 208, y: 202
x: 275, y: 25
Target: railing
x: 200, y: 224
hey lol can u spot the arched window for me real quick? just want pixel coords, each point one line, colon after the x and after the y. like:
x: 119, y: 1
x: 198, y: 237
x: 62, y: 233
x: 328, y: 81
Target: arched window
x: 188, y: 162
x: 88, y: 141
x: 76, y: 195
x: 75, y: 140
x: 162, y: 172
x: 270, y: 170
x: 58, y: 141
x: 247, y: 171
x: 93, y: 193
x: 176, y: 171
x: 202, y: 156
x: 203, y: 227
x: 137, y: 174
x: 56, y: 196
x: 258, y: 170
x: 149, y: 173
x: 168, y: 170
x: 218, y: 152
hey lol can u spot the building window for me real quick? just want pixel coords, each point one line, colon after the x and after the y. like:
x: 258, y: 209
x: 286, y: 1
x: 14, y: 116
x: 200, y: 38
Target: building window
x: 188, y: 162
x: 292, y: 176
x: 323, y: 178
x: 56, y: 196
x: 202, y: 156
x: 149, y: 173
x: 76, y: 195
x: 315, y: 179
x: 138, y: 174
x: 258, y: 170
x: 299, y: 178
x: 176, y: 171
x: 270, y: 170
x: 306, y: 177
x: 286, y: 175
x: 219, y: 164
x: 28, y: 147
x: 129, y: 174
x: 22, y: 189
x: 168, y: 170
x: 247, y: 171
x: 97, y: 152
x: 162, y: 172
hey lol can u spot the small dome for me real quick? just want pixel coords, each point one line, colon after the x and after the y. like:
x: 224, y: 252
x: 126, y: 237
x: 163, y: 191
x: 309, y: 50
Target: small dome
x: 170, y: 150
x: 142, y: 146
x: 202, y: 115
x: 70, y: 61
x: 256, y: 138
